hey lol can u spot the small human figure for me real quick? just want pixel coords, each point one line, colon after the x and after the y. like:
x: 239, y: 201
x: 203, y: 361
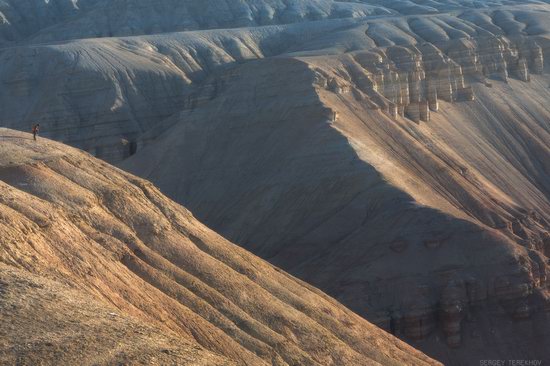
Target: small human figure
x: 35, y: 130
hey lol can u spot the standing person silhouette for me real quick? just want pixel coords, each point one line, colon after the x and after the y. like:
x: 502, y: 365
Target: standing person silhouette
x: 35, y: 130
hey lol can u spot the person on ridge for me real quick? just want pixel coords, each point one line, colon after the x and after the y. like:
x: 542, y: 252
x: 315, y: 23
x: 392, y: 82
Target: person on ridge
x: 35, y: 130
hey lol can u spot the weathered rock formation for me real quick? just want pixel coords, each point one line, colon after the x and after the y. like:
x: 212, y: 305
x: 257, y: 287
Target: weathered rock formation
x: 102, y: 95
x: 400, y: 162
x: 410, y: 80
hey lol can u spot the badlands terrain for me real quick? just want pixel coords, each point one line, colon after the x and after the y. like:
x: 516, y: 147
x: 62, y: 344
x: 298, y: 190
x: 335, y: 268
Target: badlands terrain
x: 394, y: 154
x: 97, y: 267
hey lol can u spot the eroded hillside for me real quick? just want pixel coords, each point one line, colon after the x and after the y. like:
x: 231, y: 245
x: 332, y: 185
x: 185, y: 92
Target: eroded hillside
x: 436, y: 230
x: 102, y: 94
x: 394, y: 154
x: 47, y: 323
x: 113, y: 238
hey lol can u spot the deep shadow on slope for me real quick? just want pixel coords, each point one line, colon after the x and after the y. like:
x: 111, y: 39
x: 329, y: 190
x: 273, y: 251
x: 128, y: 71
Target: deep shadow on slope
x: 72, y: 218
x: 288, y: 186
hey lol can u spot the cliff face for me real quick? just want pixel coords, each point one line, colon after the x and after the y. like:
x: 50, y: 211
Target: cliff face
x: 410, y: 80
x: 104, y: 239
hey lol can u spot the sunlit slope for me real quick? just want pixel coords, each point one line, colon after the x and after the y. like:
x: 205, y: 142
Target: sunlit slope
x: 47, y: 323
x: 69, y: 217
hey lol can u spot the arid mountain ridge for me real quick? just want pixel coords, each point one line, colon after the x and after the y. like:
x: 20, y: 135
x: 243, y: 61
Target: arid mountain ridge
x: 401, y: 217
x: 30, y: 21
x: 395, y: 156
x: 145, y: 80
x: 103, y: 239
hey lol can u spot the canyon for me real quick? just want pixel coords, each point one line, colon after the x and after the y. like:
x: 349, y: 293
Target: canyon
x: 395, y: 155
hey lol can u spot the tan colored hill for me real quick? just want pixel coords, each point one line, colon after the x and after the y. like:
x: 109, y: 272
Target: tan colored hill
x: 47, y: 323
x: 95, y: 259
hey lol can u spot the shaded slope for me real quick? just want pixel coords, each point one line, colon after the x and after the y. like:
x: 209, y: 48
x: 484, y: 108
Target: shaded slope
x: 392, y: 218
x: 75, y: 219
x: 94, y: 93
x: 32, y: 21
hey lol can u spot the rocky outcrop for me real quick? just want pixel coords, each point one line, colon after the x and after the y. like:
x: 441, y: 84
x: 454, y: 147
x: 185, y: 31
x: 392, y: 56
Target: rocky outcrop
x: 410, y: 80
x: 536, y: 57
x: 461, y: 299
x: 453, y: 307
